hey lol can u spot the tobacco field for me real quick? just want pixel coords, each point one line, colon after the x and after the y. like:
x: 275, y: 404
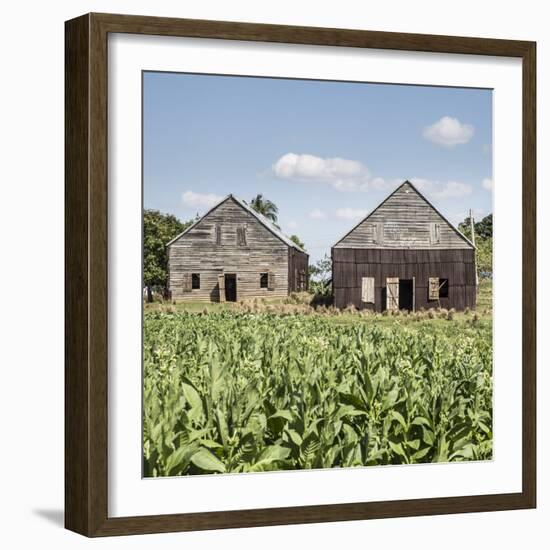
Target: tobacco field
x: 240, y: 392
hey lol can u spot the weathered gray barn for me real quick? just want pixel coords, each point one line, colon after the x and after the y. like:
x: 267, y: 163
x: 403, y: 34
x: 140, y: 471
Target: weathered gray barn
x: 404, y: 255
x: 232, y: 253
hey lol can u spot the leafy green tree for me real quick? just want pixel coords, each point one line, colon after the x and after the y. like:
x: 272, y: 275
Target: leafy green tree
x: 158, y: 230
x: 320, y: 275
x: 296, y: 240
x: 265, y: 207
x: 484, y: 243
x: 482, y: 229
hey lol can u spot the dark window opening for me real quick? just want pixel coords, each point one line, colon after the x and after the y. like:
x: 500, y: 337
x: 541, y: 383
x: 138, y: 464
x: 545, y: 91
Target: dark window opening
x: 263, y: 280
x: 195, y: 281
x: 443, y: 288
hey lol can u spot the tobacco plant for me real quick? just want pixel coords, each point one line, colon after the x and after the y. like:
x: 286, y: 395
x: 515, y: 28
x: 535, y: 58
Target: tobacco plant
x: 240, y: 392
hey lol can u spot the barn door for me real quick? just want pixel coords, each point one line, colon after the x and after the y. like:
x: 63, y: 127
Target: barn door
x: 392, y: 293
x: 414, y: 294
x: 221, y: 286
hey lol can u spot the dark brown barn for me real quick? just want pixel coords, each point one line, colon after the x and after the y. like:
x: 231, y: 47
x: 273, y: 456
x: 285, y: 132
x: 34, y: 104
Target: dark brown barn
x: 404, y: 255
x: 232, y: 253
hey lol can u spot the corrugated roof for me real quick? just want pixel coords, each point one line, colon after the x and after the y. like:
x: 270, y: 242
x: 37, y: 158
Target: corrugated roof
x: 262, y: 219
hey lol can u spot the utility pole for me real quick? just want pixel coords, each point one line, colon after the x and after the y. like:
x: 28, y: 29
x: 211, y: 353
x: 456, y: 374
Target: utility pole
x: 473, y: 239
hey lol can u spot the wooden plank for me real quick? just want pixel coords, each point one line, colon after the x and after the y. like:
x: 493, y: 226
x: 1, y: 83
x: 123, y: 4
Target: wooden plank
x: 435, y: 233
x: 343, y: 254
x: 469, y: 274
x: 221, y: 287
x: 392, y: 293
x: 270, y: 280
x: 350, y: 275
x: 378, y: 232
x: 374, y: 255
x: 433, y: 288
x: 386, y: 257
x: 241, y: 236
x: 435, y: 256
x: 186, y: 282
x: 363, y: 256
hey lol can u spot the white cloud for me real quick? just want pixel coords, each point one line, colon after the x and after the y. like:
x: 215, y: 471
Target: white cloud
x: 317, y: 214
x: 310, y: 167
x: 351, y: 213
x: 487, y: 183
x: 442, y: 190
x: 201, y: 201
x: 292, y: 224
x: 342, y: 174
x: 448, y: 132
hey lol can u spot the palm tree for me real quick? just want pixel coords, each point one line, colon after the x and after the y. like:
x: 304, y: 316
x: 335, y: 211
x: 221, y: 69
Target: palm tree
x: 265, y: 207
x: 296, y: 240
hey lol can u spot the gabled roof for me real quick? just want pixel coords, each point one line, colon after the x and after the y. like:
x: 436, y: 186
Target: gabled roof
x: 407, y: 182
x: 262, y: 219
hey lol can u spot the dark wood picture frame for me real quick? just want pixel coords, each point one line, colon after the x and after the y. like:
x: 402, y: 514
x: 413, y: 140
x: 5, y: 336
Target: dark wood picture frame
x: 86, y: 284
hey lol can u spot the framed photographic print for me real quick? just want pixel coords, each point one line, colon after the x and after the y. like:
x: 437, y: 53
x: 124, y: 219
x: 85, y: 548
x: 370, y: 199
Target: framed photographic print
x: 300, y: 275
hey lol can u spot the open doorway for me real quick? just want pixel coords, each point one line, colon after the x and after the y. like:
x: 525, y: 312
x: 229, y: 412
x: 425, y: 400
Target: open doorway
x: 230, y: 287
x: 406, y: 294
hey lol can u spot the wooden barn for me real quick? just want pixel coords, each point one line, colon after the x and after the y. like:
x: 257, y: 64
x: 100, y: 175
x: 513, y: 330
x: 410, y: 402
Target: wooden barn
x: 404, y: 255
x: 232, y: 253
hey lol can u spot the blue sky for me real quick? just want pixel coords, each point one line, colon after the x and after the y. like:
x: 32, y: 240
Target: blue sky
x: 325, y: 152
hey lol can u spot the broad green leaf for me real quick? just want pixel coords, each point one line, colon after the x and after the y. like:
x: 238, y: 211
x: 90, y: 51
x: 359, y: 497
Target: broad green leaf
x: 269, y: 457
x: 287, y: 415
x: 206, y: 461
x: 399, y: 417
x: 420, y: 454
x: 397, y: 449
x: 294, y: 436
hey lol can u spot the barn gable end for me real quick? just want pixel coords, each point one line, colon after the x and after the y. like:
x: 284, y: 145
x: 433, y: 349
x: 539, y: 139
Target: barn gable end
x: 404, y: 255
x: 231, y: 240
x: 405, y: 220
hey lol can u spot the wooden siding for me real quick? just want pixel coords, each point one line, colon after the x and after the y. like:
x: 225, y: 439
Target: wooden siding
x: 404, y: 220
x: 197, y: 251
x: 297, y: 262
x: 350, y: 266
